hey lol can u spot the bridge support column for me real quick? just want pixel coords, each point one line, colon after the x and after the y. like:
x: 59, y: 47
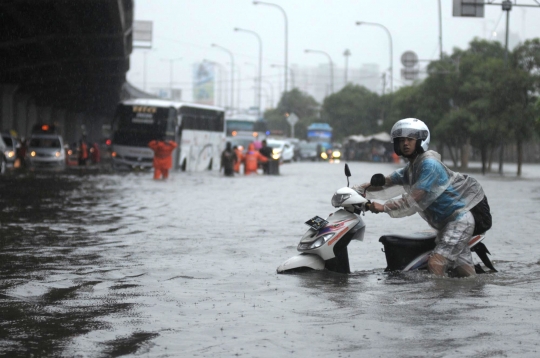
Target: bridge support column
x: 58, y: 118
x: 70, y: 128
x: 7, y: 112
x: 94, y: 128
x: 22, y: 101
x: 31, y: 116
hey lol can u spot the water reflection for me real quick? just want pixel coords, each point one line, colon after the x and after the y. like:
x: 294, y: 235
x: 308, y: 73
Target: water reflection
x: 44, y: 250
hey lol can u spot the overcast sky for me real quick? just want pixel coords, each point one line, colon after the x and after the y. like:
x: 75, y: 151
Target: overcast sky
x: 186, y: 29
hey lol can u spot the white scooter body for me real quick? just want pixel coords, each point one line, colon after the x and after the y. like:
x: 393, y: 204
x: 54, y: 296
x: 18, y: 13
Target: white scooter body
x: 319, y: 247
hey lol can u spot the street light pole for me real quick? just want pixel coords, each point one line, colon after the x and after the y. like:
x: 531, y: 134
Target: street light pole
x: 259, y: 110
x: 171, y: 62
x: 232, y: 72
x: 144, y: 71
x: 286, y: 35
x: 271, y: 93
x: 291, y: 72
x: 440, y: 32
x: 391, y: 50
x: 331, y: 67
x: 506, y: 6
x: 347, y: 53
x: 254, y: 87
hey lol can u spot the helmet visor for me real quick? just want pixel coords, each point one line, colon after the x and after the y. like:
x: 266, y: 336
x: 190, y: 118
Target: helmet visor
x: 413, y: 133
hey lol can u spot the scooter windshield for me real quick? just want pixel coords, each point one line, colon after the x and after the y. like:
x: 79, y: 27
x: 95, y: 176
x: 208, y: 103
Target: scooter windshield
x: 338, y: 199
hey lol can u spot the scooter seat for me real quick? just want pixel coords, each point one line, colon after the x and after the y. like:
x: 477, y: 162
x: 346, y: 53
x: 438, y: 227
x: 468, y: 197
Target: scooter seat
x: 415, y: 240
x: 414, y: 237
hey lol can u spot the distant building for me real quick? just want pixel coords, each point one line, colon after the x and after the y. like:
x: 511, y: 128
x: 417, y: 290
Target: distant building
x: 316, y: 82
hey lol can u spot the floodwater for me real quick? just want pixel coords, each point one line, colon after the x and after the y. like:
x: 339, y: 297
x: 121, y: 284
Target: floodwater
x: 108, y: 265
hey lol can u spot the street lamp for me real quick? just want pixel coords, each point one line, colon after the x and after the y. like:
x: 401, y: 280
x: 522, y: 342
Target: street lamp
x: 171, y: 61
x: 331, y: 67
x: 232, y: 72
x: 391, y: 50
x: 286, y: 34
x: 260, y: 66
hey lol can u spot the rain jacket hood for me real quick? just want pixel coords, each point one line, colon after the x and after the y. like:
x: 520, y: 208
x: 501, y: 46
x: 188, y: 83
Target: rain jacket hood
x: 429, y: 188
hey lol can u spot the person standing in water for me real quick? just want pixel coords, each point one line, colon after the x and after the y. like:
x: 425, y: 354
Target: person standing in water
x: 162, y: 157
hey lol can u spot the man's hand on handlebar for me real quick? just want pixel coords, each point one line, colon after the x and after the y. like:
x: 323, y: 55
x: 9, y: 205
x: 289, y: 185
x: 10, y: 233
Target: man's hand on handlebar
x: 375, y: 207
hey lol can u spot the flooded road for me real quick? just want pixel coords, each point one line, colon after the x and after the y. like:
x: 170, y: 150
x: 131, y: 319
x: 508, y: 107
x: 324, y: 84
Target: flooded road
x: 108, y: 265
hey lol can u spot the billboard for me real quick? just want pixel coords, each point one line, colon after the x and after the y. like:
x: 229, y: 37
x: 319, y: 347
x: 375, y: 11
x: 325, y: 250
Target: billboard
x: 203, y: 83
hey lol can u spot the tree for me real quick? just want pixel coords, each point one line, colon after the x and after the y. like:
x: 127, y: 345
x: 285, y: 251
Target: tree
x: 353, y: 110
x: 294, y: 101
x: 524, y: 85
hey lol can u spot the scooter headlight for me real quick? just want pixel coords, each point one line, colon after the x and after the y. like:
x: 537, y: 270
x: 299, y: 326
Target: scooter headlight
x: 317, y: 243
x: 338, y: 199
x: 321, y: 240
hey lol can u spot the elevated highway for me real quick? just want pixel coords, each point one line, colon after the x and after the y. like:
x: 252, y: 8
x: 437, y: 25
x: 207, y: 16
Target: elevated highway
x: 63, y: 62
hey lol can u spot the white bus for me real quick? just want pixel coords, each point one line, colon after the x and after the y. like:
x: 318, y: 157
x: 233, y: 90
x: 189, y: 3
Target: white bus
x: 199, y: 131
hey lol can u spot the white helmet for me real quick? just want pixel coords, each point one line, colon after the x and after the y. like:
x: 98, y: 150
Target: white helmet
x: 411, y: 128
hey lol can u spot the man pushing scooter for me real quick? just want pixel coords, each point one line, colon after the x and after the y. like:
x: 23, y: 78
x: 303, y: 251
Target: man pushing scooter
x: 452, y: 203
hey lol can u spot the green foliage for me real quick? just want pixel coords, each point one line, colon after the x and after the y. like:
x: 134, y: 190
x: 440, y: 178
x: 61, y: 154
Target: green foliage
x: 353, y: 110
x: 470, y: 96
x: 299, y: 103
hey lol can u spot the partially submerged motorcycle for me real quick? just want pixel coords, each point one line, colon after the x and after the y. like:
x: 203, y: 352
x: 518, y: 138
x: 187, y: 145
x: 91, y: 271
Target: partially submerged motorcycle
x: 324, y: 245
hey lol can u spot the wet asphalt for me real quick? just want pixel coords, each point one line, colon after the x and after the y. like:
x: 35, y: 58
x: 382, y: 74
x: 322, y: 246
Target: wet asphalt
x: 102, y: 264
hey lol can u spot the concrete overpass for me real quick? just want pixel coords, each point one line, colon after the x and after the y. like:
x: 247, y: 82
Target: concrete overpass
x: 63, y: 62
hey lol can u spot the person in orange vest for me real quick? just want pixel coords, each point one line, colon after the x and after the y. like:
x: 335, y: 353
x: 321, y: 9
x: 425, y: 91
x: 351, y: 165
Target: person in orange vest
x: 239, y: 158
x: 252, y: 159
x: 83, y: 151
x: 162, y: 157
x: 95, y: 155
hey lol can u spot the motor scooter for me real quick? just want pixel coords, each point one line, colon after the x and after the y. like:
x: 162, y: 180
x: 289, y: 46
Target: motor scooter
x: 324, y: 245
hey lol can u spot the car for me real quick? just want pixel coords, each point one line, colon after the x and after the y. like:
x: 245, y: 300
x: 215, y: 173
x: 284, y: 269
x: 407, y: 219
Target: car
x: 3, y: 161
x: 10, y: 153
x: 46, y: 151
x: 308, y: 151
x: 281, y: 149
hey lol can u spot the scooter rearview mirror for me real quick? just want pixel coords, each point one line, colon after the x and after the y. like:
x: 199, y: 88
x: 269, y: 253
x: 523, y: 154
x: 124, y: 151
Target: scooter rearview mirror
x: 347, y: 173
x: 378, y: 180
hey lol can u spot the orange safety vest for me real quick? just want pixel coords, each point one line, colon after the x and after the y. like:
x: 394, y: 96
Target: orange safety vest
x: 251, y: 160
x: 162, y: 153
x: 84, y: 151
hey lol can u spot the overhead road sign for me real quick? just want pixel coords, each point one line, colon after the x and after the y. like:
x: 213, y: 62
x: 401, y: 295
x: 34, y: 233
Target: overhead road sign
x: 142, y: 34
x: 468, y: 8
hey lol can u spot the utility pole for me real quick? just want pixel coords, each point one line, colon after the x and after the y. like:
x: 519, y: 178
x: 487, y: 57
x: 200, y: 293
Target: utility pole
x: 506, y: 6
x: 347, y: 53
x: 440, y: 32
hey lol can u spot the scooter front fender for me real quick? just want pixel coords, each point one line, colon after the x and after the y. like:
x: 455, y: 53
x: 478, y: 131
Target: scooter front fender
x: 302, y: 260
